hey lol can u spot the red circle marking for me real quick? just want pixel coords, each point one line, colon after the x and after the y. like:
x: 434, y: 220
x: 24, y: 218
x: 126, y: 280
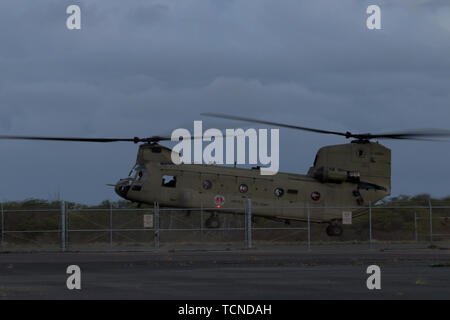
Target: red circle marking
x: 219, y: 200
x: 315, y: 196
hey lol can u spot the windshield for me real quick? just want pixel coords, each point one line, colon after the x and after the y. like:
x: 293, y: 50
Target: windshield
x: 139, y: 172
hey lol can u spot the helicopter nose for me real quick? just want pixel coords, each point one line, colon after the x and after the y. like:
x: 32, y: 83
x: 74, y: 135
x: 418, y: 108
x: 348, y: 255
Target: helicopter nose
x: 122, y: 187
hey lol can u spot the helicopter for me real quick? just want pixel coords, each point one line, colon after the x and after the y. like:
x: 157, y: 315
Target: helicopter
x: 350, y: 175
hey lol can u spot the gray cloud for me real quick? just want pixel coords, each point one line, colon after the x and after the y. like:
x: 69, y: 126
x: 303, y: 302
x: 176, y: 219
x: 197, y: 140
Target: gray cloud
x: 144, y: 67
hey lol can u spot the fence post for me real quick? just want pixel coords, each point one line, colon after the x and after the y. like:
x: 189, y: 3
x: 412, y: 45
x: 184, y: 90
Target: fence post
x: 308, y: 211
x: 416, y: 235
x: 249, y: 223
x: 201, y: 220
x: 3, y: 224
x: 431, y: 222
x: 63, y: 226
x: 370, y: 224
x: 110, y: 224
x: 156, y: 223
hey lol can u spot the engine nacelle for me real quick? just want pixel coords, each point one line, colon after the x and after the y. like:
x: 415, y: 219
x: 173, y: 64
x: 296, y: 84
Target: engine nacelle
x: 336, y: 175
x: 356, y: 162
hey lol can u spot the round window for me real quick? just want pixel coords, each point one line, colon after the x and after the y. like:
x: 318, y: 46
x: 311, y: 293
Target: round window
x: 278, y: 192
x: 207, y: 184
x: 243, y: 188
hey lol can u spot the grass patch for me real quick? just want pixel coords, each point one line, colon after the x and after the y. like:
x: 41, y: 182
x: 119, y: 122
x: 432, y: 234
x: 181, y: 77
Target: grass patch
x: 440, y: 265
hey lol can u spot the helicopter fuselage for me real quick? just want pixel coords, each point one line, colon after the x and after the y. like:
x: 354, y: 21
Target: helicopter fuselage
x: 349, y: 175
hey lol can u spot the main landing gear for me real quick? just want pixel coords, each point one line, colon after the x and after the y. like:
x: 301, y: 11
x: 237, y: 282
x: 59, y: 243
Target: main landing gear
x: 213, y: 222
x: 334, y: 229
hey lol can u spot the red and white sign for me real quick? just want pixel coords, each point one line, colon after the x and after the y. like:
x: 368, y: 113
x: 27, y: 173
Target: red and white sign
x: 219, y: 200
x: 148, y: 220
x: 346, y: 217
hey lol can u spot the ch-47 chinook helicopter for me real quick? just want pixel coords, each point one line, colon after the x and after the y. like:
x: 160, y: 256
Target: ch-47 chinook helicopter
x: 346, y: 175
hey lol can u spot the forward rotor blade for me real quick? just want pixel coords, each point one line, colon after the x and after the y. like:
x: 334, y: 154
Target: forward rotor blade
x: 101, y: 140
x: 152, y: 139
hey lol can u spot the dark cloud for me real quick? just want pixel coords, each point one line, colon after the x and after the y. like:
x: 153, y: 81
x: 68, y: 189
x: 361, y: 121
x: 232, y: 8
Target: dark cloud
x: 142, y: 67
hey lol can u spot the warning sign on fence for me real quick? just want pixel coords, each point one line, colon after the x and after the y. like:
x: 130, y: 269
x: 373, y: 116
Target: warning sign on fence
x: 346, y: 217
x: 148, y: 220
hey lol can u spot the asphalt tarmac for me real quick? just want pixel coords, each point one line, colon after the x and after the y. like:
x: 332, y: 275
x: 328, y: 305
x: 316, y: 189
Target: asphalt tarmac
x: 326, y: 272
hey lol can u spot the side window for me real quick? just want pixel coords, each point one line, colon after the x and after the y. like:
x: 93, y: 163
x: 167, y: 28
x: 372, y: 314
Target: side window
x: 169, y: 181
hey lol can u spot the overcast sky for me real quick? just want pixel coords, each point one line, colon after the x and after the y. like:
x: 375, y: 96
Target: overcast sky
x: 142, y: 68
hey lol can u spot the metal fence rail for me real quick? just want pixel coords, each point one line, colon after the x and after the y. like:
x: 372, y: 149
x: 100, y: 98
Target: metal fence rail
x: 148, y: 229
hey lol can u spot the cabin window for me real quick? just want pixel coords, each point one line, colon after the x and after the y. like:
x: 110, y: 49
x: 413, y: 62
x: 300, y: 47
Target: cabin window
x: 243, y: 188
x: 207, y: 185
x: 278, y: 192
x: 169, y: 181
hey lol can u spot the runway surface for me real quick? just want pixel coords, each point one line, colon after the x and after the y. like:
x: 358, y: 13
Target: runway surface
x: 327, y: 272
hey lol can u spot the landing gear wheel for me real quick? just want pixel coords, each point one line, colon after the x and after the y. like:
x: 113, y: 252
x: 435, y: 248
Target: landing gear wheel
x: 334, y: 230
x: 213, y: 222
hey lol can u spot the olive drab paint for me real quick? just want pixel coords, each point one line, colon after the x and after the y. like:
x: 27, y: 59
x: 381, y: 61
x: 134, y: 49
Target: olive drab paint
x: 346, y: 175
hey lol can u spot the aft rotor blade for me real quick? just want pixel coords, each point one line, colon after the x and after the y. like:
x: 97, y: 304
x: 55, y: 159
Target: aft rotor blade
x: 425, y: 134
x: 412, y: 135
x: 275, y: 124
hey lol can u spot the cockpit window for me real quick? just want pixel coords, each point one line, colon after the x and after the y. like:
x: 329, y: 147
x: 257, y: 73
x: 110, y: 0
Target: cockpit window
x: 139, y: 172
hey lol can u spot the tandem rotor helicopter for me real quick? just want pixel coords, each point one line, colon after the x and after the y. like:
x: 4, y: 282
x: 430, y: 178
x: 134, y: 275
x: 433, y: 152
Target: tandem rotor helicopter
x: 345, y: 175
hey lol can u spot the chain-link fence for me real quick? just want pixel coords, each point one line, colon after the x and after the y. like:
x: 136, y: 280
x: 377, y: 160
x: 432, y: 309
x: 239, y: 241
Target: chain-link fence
x: 147, y: 229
